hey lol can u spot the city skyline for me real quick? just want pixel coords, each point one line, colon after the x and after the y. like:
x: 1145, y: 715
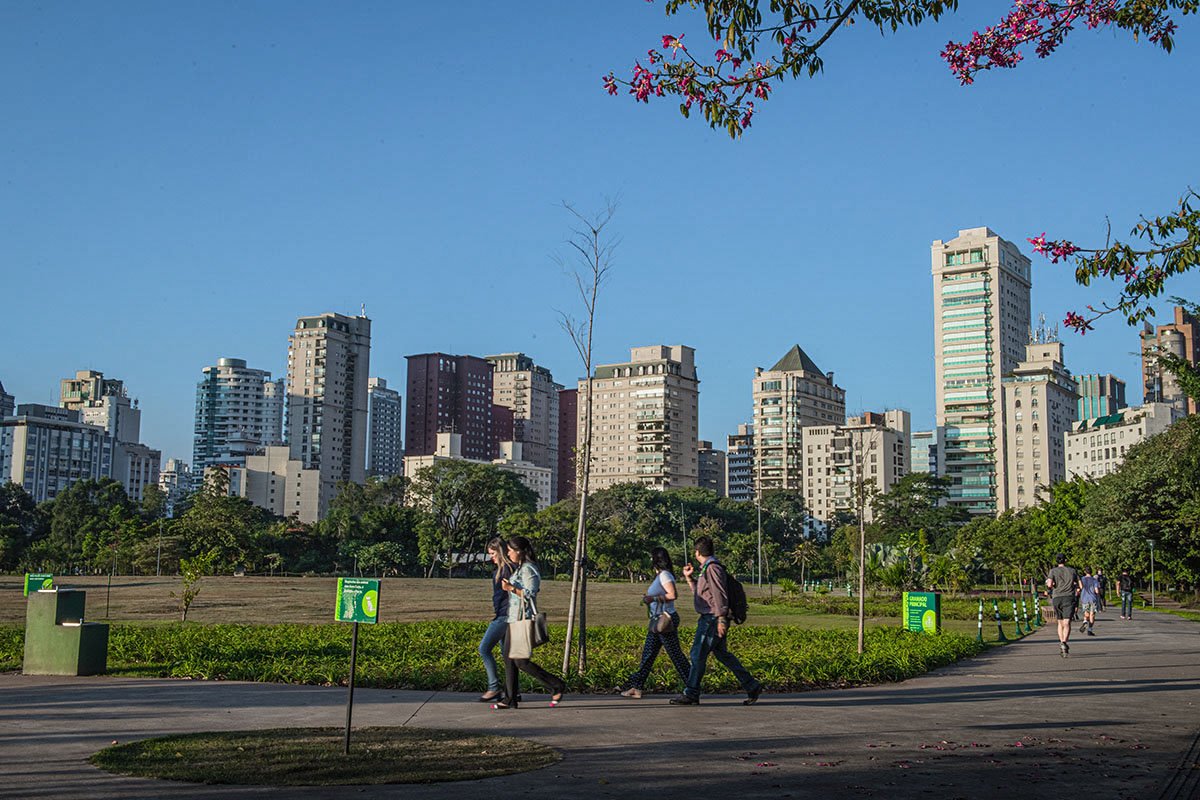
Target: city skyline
x: 218, y: 216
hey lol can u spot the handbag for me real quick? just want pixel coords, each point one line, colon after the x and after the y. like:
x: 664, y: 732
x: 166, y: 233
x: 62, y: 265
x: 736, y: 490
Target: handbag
x: 526, y: 633
x: 663, y: 623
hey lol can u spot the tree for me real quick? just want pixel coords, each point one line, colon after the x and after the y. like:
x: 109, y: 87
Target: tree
x: 590, y: 263
x: 223, y: 527
x: 20, y: 524
x: 759, y: 44
x: 462, y: 505
x: 916, y: 502
x: 86, y: 519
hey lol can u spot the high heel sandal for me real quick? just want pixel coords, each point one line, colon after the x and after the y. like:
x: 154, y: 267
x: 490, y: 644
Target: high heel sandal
x: 557, y: 697
x: 491, y: 697
x: 502, y: 705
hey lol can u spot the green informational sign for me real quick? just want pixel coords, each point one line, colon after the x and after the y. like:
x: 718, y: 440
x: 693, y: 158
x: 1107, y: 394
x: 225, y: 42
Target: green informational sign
x: 357, y: 600
x: 38, y: 580
x: 923, y: 611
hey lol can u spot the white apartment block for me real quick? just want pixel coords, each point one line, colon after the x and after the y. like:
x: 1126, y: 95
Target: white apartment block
x: 239, y: 410
x: 739, y: 464
x: 328, y: 365
x: 278, y: 483
x: 645, y: 418
x: 449, y: 448
x: 981, y: 286
x: 1098, y: 445
x: 1040, y: 402
x: 531, y: 393
x: 712, y: 468
x: 175, y: 480
x: 46, y: 449
x: 791, y: 395
x: 385, y: 449
x: 872, y: 450
x: 104, y: 403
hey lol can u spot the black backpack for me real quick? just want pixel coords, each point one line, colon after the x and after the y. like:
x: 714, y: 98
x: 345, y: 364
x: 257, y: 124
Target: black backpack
x: 738, y: 607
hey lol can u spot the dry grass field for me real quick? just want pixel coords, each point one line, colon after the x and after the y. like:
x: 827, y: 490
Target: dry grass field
x: 263, y: 600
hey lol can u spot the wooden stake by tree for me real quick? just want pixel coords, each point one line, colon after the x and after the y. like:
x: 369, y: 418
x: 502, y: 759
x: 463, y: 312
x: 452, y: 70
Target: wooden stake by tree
x: 588, y: 264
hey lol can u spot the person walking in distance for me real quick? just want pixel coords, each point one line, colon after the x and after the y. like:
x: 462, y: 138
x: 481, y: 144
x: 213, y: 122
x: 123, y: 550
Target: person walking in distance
x: 522, y: 590
x: 496, y: 629
x: 1102, y: 579
x: 663, y: 629
x: 1089, y: 601
x: 1125, y: 589
x: 1064, y: 586
x: 711, y: 601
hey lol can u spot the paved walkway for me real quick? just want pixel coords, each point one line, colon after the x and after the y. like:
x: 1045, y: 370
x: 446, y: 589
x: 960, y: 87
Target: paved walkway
x: 1119, y: 719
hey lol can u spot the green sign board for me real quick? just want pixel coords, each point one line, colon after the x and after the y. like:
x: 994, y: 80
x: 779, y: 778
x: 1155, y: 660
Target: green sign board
x: 357, y: 600
x: 38, y: 580
x: 923, y: 611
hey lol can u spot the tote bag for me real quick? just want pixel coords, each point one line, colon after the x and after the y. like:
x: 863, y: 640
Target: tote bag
x: 528, y: 632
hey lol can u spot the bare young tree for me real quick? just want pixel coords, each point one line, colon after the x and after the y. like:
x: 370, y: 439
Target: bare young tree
x: 588, y: 262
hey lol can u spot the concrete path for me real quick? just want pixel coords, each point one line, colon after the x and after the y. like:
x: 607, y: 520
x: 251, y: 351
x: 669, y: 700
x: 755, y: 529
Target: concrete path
x: 1119, y: 719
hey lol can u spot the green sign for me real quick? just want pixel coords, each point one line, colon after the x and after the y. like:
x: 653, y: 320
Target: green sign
x: 923, y: 611
x: 357, y: 600
x: 38, y: 580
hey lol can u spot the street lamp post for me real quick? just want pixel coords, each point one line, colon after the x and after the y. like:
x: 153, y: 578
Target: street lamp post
x: 1151, y: 542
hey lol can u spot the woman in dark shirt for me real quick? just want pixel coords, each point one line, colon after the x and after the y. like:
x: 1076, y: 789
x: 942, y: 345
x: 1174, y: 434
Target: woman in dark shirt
x: 496, y: 629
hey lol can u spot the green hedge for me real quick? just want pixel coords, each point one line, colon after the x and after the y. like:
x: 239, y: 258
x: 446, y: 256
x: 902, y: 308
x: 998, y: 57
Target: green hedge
x: 442, y: 655
x: 962, y: 608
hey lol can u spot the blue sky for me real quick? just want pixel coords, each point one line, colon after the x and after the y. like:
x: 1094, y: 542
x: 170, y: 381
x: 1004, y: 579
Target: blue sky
x: 181, y: 181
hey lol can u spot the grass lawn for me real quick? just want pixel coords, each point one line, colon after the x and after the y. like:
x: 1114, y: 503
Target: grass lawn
x: 314, y: 757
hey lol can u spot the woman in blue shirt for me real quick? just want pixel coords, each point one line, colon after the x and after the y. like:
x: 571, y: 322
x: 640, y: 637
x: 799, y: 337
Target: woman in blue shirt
x: 661, y: 599
x: 496, y: 629
x: 522, y: 590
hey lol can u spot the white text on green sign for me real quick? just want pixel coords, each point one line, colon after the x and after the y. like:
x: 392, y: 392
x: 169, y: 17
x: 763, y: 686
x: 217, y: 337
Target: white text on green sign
x: 357, y: 600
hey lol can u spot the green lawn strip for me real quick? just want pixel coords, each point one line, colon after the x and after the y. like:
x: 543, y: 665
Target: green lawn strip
x: 442, y: 655
x: 960, y: 608
x: 314, y: 757
x: 1185, y: 613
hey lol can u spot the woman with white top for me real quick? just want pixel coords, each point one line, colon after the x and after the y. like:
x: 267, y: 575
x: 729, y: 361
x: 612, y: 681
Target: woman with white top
x: 661, y: 599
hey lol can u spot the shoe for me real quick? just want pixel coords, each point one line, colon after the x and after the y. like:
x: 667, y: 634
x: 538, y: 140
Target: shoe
x: 1065, y: 648
x: 633, y: 692
x: 1091, y: 632
x: 502, y: 705
x: 557, y: 697
x: 1083, y: 628
x: 752, y: 695
x: 490, y: 697
x: 685, y: 700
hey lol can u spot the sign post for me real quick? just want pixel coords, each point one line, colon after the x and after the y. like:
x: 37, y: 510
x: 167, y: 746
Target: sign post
x: 357, y: 601
x: 38, y: 580
x: 923, y: 612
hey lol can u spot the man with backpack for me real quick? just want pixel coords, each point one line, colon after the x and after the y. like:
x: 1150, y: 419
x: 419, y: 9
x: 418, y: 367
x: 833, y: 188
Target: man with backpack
x: 711, y: 598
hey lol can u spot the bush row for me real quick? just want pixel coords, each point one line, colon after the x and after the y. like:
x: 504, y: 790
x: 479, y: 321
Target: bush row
x: 962, y: 608
x: 442, y: 655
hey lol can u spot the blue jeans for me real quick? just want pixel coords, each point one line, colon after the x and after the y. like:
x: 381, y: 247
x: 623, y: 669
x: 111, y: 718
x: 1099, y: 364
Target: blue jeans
x: 493, y: 636
x: 706, y: 642
x: 1127, y: 604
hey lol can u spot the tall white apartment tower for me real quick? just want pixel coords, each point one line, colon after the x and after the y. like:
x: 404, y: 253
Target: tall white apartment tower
x: 981, y: 325
x: 385, y: 450
x: 531, y: 393
x: 328, y: 363
x: 239, y: 410
x: 645, y: 416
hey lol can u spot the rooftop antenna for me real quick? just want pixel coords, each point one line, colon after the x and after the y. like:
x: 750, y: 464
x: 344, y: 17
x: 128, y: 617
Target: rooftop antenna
x: 362, y: 311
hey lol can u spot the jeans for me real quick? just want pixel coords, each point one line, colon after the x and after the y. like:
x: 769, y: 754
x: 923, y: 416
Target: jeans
x: 706, y: 642
x: 493, y: 636
x: 656, y: 641
x: 1127, y: 604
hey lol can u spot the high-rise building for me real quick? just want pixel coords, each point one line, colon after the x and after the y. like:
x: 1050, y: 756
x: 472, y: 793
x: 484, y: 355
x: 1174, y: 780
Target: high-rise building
x: 927, y: 451
x: 1097, y: 446
x: 712, y: 467
x: 530, y: 393
x: 981, y: 286
x: 8, y: 403
x: 568, y: 433
x: 449, y: 394
x: 46, y: 449
x: 329, y: 361
x: 739, y: 464
x: 239, y: 411
x: 644, y: 419
x: 385, y: 449
x: 104, y: 402
x: 787, y: 397
x: 273, y: 480
x: 175, y: 480
x: 871, y: 449
x: 1040, y: 399
x: 1180, y: 338
x: 1099, y: 395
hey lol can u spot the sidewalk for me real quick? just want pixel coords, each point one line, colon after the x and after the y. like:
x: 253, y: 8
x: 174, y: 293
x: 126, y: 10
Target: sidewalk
x: 1118, y: 718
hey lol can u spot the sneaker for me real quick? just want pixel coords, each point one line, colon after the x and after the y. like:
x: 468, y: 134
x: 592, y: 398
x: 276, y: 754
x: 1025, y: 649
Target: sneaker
x: 1091, y: 632
x: 1083, y: 628
x: 1064, y: 649
x: 633, y: 692
x: 685, y: 700
x: 752, y: 695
